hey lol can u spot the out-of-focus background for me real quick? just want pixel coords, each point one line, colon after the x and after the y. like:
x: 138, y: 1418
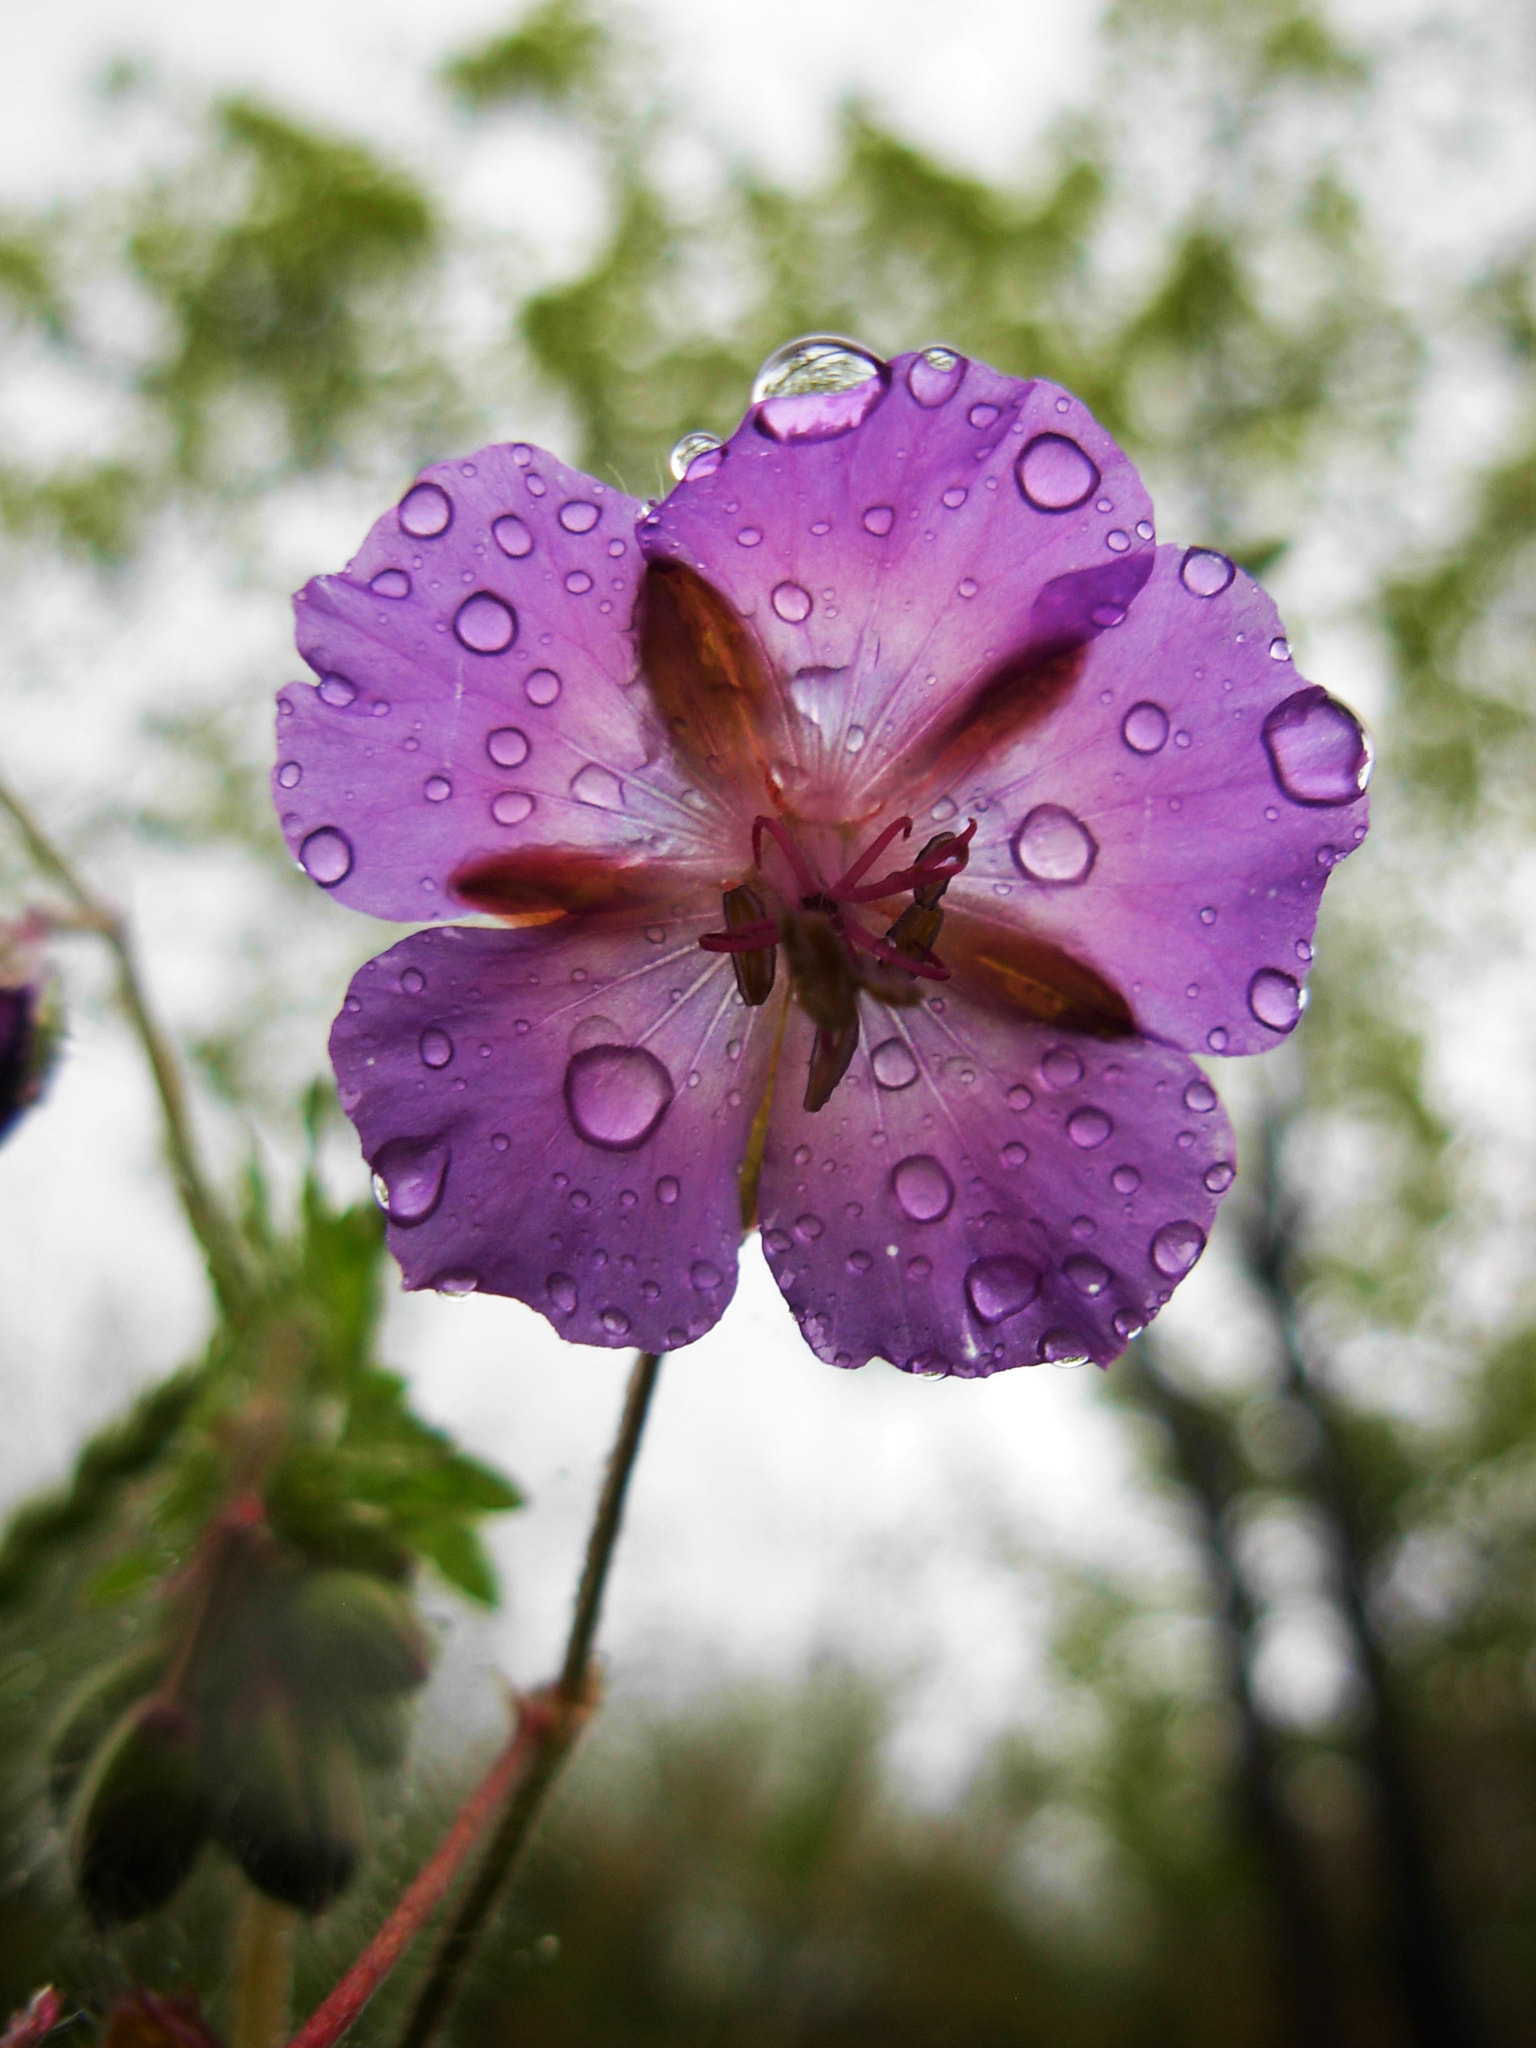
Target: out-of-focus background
x: 1195, y: 1702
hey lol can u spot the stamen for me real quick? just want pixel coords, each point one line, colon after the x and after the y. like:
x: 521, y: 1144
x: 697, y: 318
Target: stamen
x: 809, y: 886
x: 752, y: 938
x: 929, y: 970
x: 867, y: 859
x: 927, y: 871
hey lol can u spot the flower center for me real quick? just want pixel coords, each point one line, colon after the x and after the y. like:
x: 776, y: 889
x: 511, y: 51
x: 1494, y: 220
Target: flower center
x: 830, y: 953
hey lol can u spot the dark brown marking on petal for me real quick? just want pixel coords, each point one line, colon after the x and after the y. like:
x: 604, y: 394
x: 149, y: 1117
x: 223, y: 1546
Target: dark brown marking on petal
x: 1009, y: 969
x: 706, y: 676
x: 539, y: 882
x: 1019, y: 695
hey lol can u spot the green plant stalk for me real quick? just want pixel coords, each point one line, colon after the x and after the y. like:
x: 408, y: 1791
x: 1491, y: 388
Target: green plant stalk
x: 223, y: 1252
x: 263, y: 1971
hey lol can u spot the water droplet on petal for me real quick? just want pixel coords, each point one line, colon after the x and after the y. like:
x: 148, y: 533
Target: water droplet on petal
x: 1276, y: 999
x: 289, y: 775
x: 1020, y: 1098
x: 792, y: 603
x: 816, y: 388
x: 688, y: 451
x: 484, y: 624
x: 511, y: 806
x: 998, y: 1288
x: 435, y: 1047
x: 617, y: 1095
x: 893, y: 1064
x: 337, y: 691
x: 1200, y: 1096
x: 326, y: 856
x: 1088, y: 1275
x: 578, y: 582
x: 507, y: 746
x: 1014, y: 1154
x: 858, y: 1262
x: 1061, y: 1068
x: 982, y: 415
x: 1176, y: 1248
x: 1117, y: 540
x: 412, y: 1172
x: 1088, y: 1127
x: 1054, y: 847
x: 1219, y: 1178
x: 1127, y: 1325
x: 1318, y: 751
x: 955, y: 497
x: 1145, y: 728
x: 1144, y: 529
x: 512, y: 536
x: 1280, y: 649
x: 579, y: 516
x: 425, y: 511
x: 934, y: 375
x: 704, y: 1277
x: 437, y: 789
x: 413, y: 981
x: 458, y: 1281
x: 854, y: 743
x: 391, y: 583
x: 597, y: 785
x: 922, y: 1188
x: 615, y: 1322
x: 878, y: 520
x: 1125, y: 1180
x: 562, y: 1292
x: 1205, y: 573
x: 1055, y: 475
x: 1217, y: 1038
x: 667, y: 1190
x: 1063, y: 1348
x: 542, y: 686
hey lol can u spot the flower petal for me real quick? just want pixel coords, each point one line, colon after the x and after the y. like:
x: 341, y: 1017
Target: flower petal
x: 477, y: 707
x: 560, y: 1114
x: 1171, y: 823
x: 904, y: 554
x: 981, y: 1193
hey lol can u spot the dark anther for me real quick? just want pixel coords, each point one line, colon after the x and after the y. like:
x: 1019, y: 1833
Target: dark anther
x: 929, y: 894
x: 915, y: 931
x: 754, y: 969
x: 826, y: 984
x: 830, y: 1059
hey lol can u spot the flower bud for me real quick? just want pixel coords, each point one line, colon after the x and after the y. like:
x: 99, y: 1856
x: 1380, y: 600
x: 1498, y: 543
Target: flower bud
x: 349, y: 1633
x: 140, y: 1817
x: 285, y: 1799
x: 89, y: 1714
x: 31, y: 1023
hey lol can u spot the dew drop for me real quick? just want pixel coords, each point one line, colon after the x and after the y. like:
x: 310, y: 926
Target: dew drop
x: 326, y: 856
x: 1280, y: 649
x: 1014, y: 1154
x: 999, y: 1287
x: 1126, y: 1324
x: 1208, y: 914
x: 922, y: 1188
x: 1055, y: 475
x: 668, y: 1188
x: 934, y: 375
x: 1054, y: 847
x: 1125, y: 1180
x: 484, y: 624
x: 688, y: 451
x: 1144, y: 529
x: 893, y: 1064
x: 749, y: 537
x: 391, y: 583
x: 541, y: 686
x: 955, y: 497
x: 878, y: 520
x: 437, y: 789
x: 1061, y: 1068
x: 1176, y: 1248
x: 594, y: 1031
x: 337, y: 691
x: 982, y: 415
x: 1217, y: 1038
x: 459, y: 1281
x: 1318, y: 751
x: 507, y: 746
x: 1219, y: 1178
x: 289, y: 775
x: 1205, y: 573
x: 1117, y: 540
x: 1020, y: 1098
x: 791, y: 602
x: 562, y: 1292
x: 1088, y: 1275
x: 411, y: 1172
x: 578, y: 582
x: 615, y: 1322
x: 1088, y: 1128
x: 817, y: 388
x: 1200, y: 1096
x: 1275, y: 998
x: 511, y: 806
x: 512, y: 536
x: 704, y: 1277
x: 1063, y: 1348
x: 854, y: 743
x: 599, y: 786
x: 616, y: 1095
x: 435, y: 1047
x: 809, y: 1227
x: 580, y: 515
x: 1145, y: 728
x: 413, y: 981
x: 425, y: 511
x: 858, y: 1262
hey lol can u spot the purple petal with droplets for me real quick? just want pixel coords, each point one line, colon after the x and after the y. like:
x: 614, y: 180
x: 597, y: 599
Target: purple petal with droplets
x: 562, y: 1152
x: 961, y: 1190
x: 908, y: 618
x: 1205, y: 875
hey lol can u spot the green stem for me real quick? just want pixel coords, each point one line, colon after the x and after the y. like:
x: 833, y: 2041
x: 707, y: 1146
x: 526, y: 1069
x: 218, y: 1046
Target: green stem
x: 263, y: 1971
x: 570, y: 1702
x: 228, y: 1266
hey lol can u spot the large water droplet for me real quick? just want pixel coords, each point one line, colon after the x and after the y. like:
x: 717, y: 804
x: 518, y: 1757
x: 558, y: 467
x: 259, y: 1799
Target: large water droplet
x: 1088, y: 1275
x: 437, y: 789
x: 816, y: 692
x: 594, y: 1030
x: 893, y: 1064
x: 1200, y: 1096
x: 922, y: 1188
x: 541, y: 687
x: 507, y: 746
x: 1055, y: 475
x: 615, y: 1322
x: 1063, y: 1348
x: 595, y: 784
x: 484, y: 624
x: 580, y: 515
x: 435, y: 1047
x: 512, y: 536
x: 412, y: 1172
x: 391, y: 583
x: 1145, y: 728
x: 934, y: 375
x: 1275, y: 998
x: 511, y: 806
x: 792, y: 603
x: 1318, y: 751
x: 337, y: 691
x: 816, y: 388
x: 1061, y: 1068
x: 705, y: 1277
x: 878, y: 520
x: 326, y: 856
x: 998, y: 1288
x: 1125, y: 1180
x: 1088, y: 1127
x: 1054, y: 847
x: 1176, y: 1248
x: 425, y: 511
x: 289, y: 775
x: 617, y: 1095
x: 457, y: 1281
x: 688, y: 451
x: 562, y: 1293
x: 1220, y: 1176
x: 1204, y: 573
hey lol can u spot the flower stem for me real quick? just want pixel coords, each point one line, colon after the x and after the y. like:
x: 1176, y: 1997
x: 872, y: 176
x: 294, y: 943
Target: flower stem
x: 572, y: 1700
x: 263, y: 1971
x: 228, y: 1266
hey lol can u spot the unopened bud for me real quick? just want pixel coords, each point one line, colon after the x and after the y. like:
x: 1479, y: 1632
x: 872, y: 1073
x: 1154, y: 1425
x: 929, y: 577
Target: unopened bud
x: 350, y: 1633
x: 89, y: 1714
x: 140, y: 1818
x: 755, y: 969
x: 379, y: 1731
x: 285, y: 1799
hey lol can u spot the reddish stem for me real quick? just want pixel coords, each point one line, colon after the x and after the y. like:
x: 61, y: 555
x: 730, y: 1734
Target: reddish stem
x: 331, y: 2019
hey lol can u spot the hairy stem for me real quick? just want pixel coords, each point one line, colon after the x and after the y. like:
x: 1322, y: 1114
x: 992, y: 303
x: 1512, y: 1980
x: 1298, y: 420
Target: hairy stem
x: 263, y: 1971
x: 228, y: 1267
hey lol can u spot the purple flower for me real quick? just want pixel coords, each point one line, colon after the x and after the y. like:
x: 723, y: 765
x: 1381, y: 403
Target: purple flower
x: 29, y: 1020
x: 873, y: 829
